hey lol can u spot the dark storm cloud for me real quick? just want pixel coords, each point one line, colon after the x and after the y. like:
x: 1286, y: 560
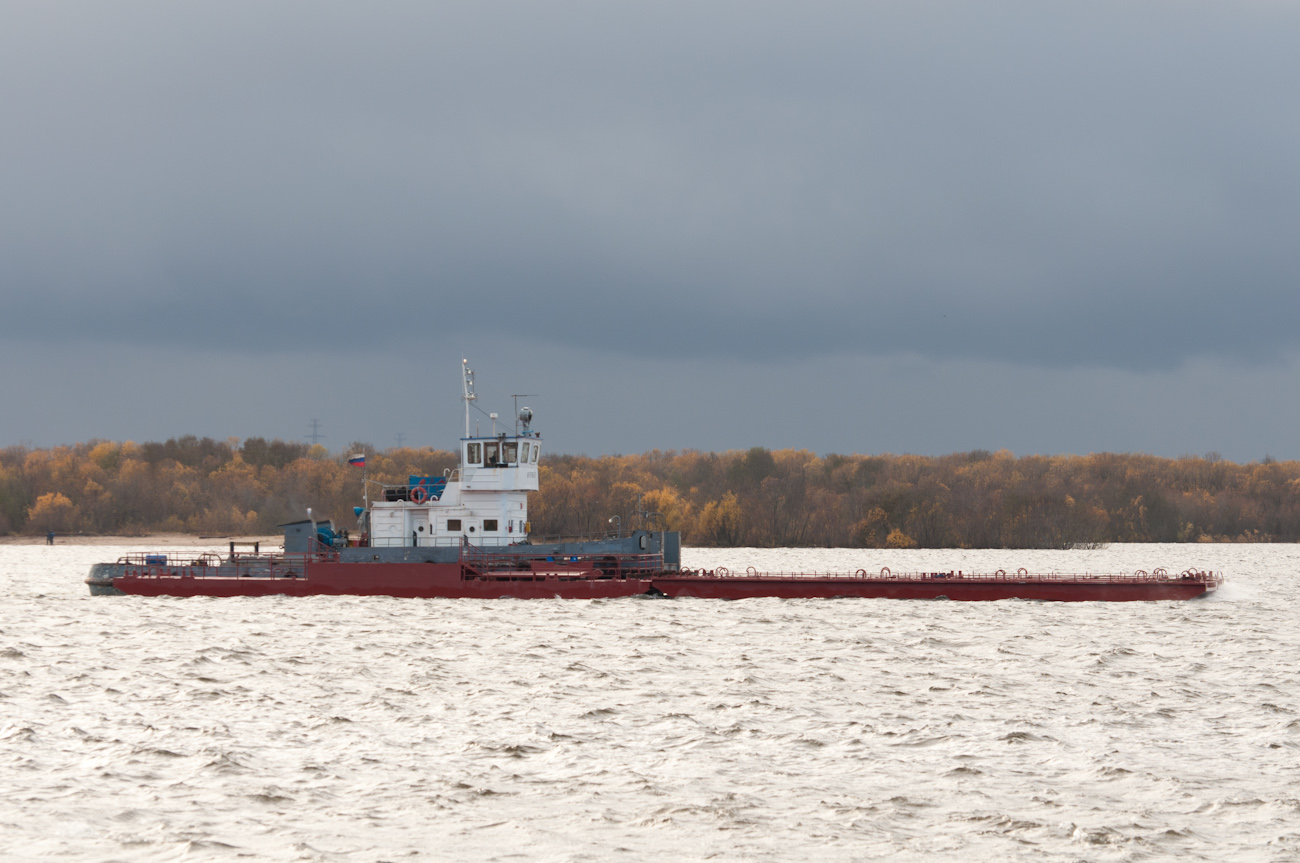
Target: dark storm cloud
x: 1093, y: 184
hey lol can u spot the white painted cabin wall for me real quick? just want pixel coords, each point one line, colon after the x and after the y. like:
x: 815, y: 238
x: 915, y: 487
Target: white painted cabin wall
x: 477, y: 494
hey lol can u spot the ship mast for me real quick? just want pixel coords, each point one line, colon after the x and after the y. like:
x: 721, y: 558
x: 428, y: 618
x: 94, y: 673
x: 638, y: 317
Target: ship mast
x: 468, y: 385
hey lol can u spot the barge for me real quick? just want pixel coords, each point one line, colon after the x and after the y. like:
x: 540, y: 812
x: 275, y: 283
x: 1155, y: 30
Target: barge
x: 465, y: 535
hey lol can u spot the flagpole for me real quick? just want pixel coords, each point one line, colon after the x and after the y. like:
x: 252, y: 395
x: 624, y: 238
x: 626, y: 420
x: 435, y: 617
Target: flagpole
x: 360, y: 459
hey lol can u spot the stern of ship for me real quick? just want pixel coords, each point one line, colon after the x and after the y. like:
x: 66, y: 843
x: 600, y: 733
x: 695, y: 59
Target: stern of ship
x: 101, y: 578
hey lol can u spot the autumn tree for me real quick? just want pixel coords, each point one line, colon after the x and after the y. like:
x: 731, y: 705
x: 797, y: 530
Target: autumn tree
x: 51, y: 512
x: 755, y: 496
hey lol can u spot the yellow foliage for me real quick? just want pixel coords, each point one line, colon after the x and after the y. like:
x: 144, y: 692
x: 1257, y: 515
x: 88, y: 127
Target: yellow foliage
x: 52, y: 511
x: 898, y: 539
x: 756, y: 497
x: 626, y: 493
x: 229, y: 521
x: 720, y: 521
x: 869, y: 530
x: 108, y: 455
x: 675, y: 512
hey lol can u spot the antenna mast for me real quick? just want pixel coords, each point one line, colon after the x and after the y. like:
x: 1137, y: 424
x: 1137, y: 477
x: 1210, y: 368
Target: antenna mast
x: 469, y: 395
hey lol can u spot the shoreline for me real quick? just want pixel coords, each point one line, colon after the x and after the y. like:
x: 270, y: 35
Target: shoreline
x: 146, y: 541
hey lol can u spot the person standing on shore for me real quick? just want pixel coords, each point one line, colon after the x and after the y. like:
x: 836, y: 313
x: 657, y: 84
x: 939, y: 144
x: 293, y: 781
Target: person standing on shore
x: 49, y: 538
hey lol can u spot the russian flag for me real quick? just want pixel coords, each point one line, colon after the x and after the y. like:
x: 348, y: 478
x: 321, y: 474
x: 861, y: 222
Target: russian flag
x: 358, y: 460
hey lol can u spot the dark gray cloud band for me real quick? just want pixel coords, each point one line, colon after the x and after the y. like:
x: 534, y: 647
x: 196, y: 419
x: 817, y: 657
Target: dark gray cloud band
x: 1109, y: 184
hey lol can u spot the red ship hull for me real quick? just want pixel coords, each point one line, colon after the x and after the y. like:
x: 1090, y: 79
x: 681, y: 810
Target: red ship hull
x: 962, y: 590
x: 405, y: 580
x: 456, y: 581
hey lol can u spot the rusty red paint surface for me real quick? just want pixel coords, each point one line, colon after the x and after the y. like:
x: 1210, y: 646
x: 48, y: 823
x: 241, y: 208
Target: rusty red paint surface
x: 454, y: 580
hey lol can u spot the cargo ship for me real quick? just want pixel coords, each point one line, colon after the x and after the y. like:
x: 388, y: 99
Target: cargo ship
x: 466, y: 535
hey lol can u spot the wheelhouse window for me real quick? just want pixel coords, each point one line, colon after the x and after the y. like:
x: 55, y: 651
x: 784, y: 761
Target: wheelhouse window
x: 491, y: 454
x: 510, y: 452
x: 453, y: 524
x: 537, y: 450
x: 489, y: 524
x: 524, y: 459
x: 473, y: 453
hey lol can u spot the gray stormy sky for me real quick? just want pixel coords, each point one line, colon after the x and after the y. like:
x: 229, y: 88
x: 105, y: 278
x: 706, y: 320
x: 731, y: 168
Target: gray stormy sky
x: 849, y: 227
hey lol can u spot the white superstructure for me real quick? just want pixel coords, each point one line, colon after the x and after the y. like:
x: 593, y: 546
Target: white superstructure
x: 484, y: 501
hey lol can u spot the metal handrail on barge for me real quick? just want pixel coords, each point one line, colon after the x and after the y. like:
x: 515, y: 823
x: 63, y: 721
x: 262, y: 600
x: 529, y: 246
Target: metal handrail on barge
x: 208, y: 564
x: 523, y: 562
x: 172, y: 557
x: 1021, y: 575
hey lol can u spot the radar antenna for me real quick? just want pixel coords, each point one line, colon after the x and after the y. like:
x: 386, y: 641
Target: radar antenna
x: 525, y: 416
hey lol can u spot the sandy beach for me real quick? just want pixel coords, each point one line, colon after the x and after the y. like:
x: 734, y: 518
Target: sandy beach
x: 157, y: 540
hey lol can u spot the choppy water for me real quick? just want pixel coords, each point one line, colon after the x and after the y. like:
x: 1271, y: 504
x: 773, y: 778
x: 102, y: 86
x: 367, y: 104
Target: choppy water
x: 369, y: 729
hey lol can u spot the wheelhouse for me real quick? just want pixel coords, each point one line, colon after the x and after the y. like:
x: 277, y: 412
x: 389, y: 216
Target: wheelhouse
x: 500, y: 452
x: 483, y: 502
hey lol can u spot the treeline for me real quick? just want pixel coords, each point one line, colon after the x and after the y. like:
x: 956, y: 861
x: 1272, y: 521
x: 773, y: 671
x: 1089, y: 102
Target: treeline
x: 190, y: 485
x: 756, y: 497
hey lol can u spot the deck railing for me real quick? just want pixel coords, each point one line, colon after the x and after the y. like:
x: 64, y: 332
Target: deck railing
x: 523, y: 560
x: 438, y: 541
x: 206, y: 564
x: 1001, y: 575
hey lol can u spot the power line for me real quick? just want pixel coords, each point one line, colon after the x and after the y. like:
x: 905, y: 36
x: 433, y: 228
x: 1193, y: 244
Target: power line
x: 315, y: 435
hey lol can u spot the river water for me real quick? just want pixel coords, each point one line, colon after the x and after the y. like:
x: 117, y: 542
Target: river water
x: 376, y: 729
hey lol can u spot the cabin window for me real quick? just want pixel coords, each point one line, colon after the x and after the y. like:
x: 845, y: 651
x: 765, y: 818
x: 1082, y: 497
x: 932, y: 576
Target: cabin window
x: 473, y: 454
x: 489, y: 524
x: 525, y: 458
x: 510, y: 452
x: 491, y: 453
x: 536, y: 452
x: 453, y: 523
